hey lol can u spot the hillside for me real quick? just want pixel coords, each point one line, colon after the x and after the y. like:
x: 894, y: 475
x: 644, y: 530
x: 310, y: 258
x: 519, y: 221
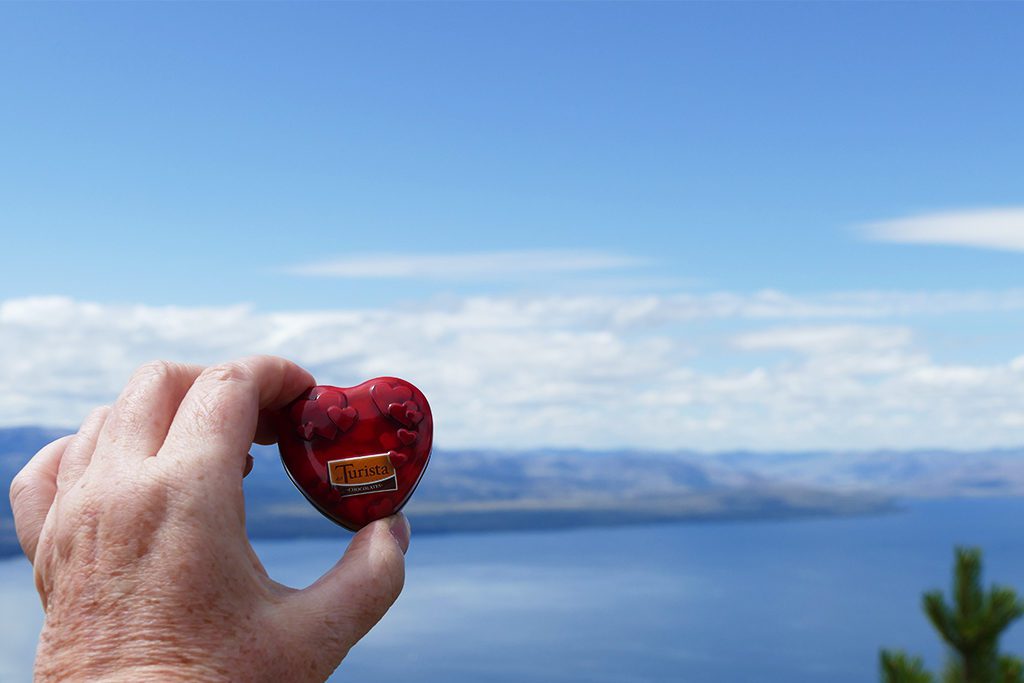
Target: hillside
x: 482, y: 490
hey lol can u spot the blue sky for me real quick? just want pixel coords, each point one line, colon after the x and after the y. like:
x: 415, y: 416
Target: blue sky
x: 221, y: 154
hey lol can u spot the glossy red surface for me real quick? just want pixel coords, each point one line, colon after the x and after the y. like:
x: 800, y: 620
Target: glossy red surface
x: 381, y: 415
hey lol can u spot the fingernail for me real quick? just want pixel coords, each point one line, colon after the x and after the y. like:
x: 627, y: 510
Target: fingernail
x: 247, y: 468
x: 399, y: 528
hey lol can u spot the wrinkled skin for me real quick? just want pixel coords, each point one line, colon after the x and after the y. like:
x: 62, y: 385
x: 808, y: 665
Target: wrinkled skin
x: 135, y: 528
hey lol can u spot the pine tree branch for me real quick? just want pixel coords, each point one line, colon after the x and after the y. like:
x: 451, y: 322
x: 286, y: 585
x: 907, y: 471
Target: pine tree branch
x: 970, y: 626
x: 1011, y: 669
x: 942, y: 618
x: 898, y: 667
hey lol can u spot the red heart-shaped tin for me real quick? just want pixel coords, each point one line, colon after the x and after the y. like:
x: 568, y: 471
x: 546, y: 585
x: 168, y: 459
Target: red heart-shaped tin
x: 357, y: 453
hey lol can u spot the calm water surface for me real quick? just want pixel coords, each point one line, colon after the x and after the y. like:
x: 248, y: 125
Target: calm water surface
x: 796, y: 601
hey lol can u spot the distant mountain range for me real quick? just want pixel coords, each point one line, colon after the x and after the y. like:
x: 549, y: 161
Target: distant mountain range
x: 931, y: 473
x: 484, y: 490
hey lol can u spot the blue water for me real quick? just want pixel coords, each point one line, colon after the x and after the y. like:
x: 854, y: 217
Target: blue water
x: 795, y: 601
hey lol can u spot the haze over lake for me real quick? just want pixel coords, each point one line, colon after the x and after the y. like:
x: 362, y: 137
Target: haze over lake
x: 799, y: 601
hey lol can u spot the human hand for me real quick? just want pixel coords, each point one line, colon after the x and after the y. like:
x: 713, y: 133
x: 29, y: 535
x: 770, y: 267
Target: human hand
x: 136, y: 530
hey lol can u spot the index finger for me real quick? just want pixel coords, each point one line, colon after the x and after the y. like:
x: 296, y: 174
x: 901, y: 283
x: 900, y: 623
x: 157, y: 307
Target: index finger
x: 217, y: 421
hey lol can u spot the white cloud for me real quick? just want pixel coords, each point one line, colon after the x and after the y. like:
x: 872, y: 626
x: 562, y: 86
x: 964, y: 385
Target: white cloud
x: 834, y: 338
x: 567, y: 371
x: 770, y: 305
x: 1001, y: 228
x: 496, y: 265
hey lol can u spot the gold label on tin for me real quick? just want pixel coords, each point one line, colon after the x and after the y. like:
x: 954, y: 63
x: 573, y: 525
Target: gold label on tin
x: 363, y: 474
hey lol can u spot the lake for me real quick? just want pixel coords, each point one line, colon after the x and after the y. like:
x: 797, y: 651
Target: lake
x: 793, y: 601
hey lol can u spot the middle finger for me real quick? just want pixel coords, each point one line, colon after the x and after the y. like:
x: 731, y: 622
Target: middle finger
x: 138, y: 421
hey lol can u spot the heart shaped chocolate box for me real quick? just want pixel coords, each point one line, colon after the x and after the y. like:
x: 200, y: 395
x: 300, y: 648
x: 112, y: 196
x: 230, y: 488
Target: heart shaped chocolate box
x: 357, y: 453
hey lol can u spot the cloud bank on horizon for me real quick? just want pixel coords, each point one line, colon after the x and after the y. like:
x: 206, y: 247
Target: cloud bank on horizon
x: 765, y: 370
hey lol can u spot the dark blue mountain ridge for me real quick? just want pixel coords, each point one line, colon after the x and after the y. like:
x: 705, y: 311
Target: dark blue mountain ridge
x: 492, y: 490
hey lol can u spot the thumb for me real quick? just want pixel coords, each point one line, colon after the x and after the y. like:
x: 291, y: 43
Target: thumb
x: 346, y: 602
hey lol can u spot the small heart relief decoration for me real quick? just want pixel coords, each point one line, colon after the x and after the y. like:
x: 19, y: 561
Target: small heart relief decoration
x: 357, y: 453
